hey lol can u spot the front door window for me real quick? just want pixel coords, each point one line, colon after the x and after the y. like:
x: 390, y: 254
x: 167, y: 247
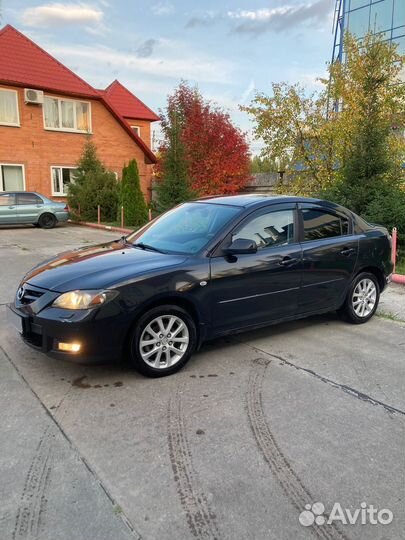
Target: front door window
x: 11, y: 178
x: 275, y: 228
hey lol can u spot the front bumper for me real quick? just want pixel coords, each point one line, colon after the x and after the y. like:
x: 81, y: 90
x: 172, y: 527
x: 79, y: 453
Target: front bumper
x: 100, y: 340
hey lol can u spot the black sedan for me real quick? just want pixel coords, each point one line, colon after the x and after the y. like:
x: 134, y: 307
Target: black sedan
x: 206, y: 268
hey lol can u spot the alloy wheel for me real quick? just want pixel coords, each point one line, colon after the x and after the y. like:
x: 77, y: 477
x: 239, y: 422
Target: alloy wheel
x: 164, y: 341
x: 364, y: 297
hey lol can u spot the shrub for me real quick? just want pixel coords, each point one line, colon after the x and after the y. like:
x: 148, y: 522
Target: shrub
x: 131, y: 196
x: 93, y: 185
x: 387, y: 208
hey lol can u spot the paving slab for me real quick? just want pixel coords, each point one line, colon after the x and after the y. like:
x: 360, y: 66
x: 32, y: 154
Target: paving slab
x: 47, y: 491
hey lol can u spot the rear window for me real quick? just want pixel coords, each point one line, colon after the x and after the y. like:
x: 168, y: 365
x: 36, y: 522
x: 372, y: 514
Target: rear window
x: 28, y: 198
x: 319, y: 224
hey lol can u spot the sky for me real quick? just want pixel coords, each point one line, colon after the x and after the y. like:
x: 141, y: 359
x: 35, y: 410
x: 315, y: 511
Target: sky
x: 230, y: 49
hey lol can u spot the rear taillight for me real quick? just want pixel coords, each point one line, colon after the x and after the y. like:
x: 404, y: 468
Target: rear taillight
x: 66, y: 209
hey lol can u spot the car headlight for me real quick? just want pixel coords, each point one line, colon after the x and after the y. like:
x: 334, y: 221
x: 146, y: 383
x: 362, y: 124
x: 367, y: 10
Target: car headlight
x: 83, y: 299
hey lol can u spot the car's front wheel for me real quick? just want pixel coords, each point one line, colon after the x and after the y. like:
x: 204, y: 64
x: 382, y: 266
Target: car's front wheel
x: 162, y: 341
x: 47, y: 221
x: 362, y: 299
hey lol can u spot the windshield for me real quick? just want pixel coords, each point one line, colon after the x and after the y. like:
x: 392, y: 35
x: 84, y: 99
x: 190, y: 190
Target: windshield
x: 186, y: 229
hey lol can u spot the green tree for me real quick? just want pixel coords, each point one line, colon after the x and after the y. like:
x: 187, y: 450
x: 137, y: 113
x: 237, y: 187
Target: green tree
x: 173, y: 185
x: 340, y: 141
x: 294, y: 129
x: 260, y: 164
x: 93, y: 185
x: 131, y: 196
x: 368, y: 85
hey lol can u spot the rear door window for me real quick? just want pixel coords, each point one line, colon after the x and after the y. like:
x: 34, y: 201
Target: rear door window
x: 319, y: 224
x: 28, y: 198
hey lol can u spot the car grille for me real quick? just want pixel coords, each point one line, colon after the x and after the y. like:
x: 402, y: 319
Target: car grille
x: 30, y: 296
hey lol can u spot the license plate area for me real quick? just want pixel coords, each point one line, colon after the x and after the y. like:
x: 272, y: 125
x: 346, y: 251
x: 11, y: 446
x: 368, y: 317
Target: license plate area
x: 16, y: 321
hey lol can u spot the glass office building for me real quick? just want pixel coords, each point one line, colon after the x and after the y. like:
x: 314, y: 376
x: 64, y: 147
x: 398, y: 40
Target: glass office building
x: 384, y: 17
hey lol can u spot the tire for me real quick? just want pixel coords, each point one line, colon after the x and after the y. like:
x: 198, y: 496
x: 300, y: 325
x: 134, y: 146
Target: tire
x: 155, y: 326
x: 47, y: 221
x: 361, y: 300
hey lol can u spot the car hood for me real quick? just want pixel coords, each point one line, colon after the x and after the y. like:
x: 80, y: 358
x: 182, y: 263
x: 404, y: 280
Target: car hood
x: 98, y: 267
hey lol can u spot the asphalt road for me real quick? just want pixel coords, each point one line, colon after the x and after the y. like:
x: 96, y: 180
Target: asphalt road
x: 233, y: 447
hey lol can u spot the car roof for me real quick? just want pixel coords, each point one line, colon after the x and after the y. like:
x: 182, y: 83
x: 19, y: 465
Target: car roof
x: 18, y: 193
x: 253, y: 199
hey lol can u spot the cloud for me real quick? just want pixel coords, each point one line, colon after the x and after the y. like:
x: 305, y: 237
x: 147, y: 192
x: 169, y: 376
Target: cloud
x: 171, y: 60
x: 247, y: 92
x: 61, y: 14
x: 146, y: 48
x: 310, y: 81
x: 280, y: 18
x: 205, y: 19
x: 163, y: 8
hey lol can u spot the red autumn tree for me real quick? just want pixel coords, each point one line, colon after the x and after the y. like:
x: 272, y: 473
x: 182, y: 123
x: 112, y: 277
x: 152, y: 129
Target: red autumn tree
x: 215, y: 152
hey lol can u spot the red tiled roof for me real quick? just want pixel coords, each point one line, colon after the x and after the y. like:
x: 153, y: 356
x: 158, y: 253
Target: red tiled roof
x: 24, y: 63
x: 128, y: 105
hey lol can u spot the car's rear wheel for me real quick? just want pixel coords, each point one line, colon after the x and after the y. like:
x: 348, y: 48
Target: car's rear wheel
x: 162, y: 341
x: 47, y: 221
x: 362, y: 299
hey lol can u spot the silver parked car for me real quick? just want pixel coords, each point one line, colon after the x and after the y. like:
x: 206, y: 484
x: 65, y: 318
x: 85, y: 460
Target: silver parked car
x: 29, y: 207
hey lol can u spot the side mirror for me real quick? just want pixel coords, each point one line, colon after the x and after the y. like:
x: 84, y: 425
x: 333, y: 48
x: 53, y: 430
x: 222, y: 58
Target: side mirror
x: 241, y: 246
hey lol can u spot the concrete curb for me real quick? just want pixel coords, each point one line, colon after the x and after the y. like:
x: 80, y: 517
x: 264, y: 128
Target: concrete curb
x: 103, y: 227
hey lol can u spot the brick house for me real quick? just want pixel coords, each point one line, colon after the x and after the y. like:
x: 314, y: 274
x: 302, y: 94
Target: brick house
x: 46, y: 113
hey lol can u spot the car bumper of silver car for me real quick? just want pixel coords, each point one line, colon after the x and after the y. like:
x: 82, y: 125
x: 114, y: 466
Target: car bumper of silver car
x: 62, y: 216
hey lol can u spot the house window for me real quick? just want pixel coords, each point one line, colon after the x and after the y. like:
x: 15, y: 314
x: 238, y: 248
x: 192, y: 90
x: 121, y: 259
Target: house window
x: 137, y: 130
x: 67, y: 115
x: 61, y: 178
x: 12, y: 177
x: 9, y: 108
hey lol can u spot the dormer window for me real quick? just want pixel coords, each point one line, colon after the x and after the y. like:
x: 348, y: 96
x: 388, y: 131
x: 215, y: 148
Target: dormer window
x: 67, y: 115
x: 9, y: 108
x: 137, y: 130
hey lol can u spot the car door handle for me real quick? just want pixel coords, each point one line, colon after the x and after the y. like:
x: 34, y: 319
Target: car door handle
x: 287, y: 261
x: 11, y: 207
x: 348, y: 251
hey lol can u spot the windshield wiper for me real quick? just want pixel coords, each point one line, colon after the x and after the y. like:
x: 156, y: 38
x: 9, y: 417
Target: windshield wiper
x: 147, y: 246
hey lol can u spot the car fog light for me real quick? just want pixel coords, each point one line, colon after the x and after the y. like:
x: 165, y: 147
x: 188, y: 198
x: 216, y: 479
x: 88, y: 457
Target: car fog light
x: 69, y: 347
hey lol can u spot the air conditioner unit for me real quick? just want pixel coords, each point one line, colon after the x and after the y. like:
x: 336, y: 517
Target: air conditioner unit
x: 33, y: 96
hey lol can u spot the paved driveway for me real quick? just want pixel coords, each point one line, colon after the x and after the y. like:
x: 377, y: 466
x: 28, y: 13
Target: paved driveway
x: 233, y: 447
